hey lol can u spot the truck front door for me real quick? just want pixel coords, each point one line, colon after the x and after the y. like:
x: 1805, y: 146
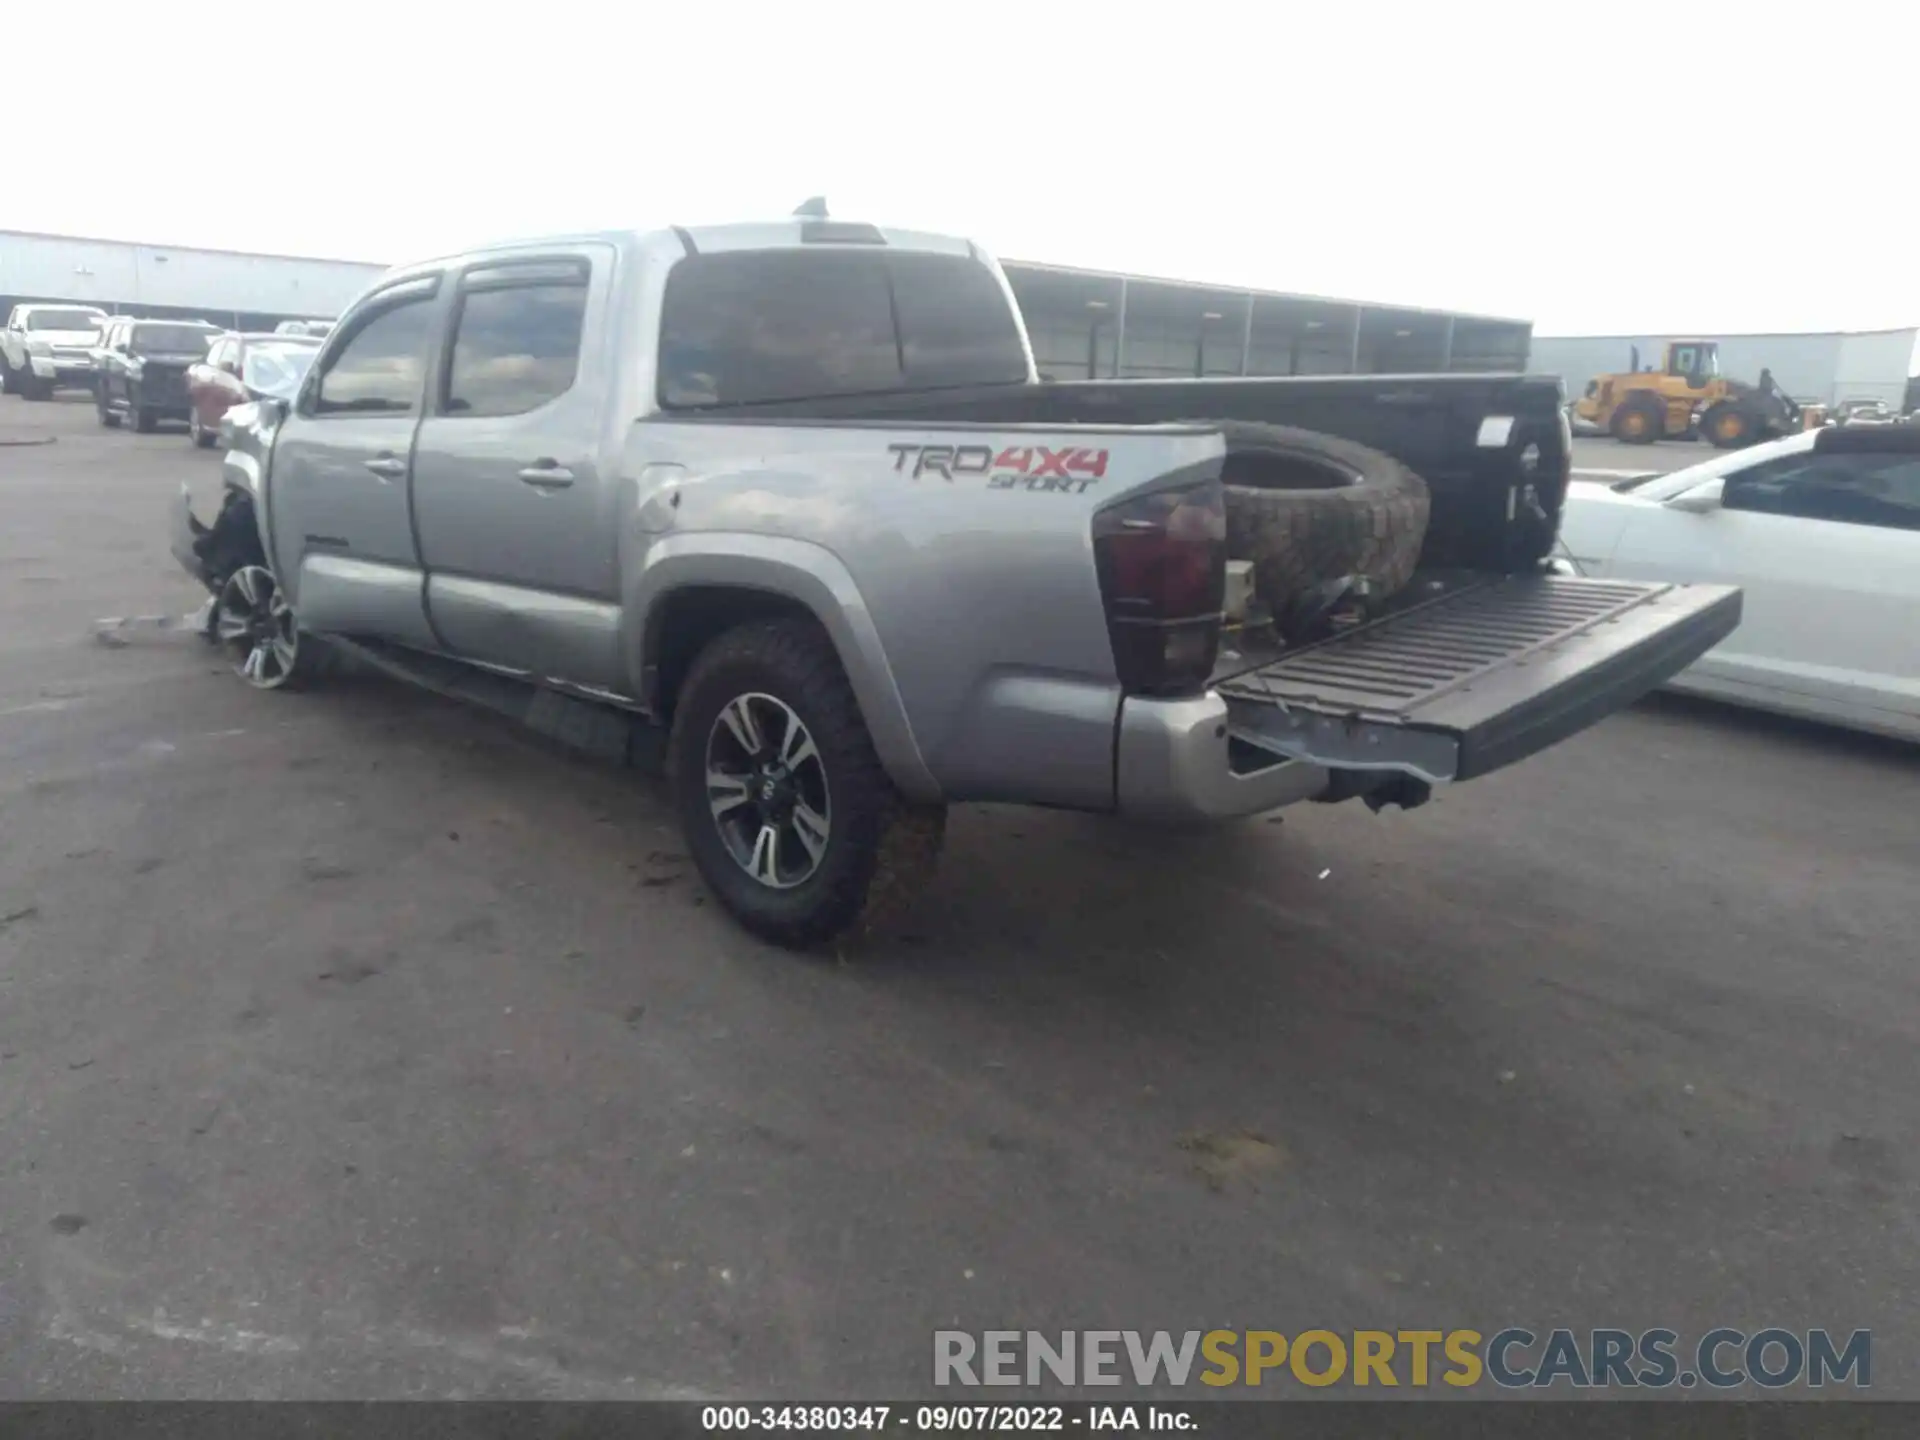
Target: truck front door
x: 342, y: 460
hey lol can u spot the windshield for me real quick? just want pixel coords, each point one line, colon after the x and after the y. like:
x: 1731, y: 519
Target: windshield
x: 169, y: 340
x: 276, y: 369
x: 65, y: 319
x: 1678, y: 482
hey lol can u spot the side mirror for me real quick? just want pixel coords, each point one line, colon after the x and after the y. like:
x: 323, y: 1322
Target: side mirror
x: 1701, y: 500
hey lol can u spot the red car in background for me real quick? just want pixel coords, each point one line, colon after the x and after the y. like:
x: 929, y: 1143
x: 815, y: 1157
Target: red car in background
x: 241, y: 368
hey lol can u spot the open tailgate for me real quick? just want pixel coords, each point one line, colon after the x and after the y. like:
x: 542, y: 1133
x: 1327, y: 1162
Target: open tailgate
x: 1480, y: 677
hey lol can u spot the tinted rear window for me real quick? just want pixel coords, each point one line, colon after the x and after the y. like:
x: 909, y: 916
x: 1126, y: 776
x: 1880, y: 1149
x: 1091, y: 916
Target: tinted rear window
x: 801, y: 324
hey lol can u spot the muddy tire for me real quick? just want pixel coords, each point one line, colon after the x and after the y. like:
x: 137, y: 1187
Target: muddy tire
x: 1308, y: 508
x: 1638, y: 420
x: 1729, y: 426
x: 798, y: 832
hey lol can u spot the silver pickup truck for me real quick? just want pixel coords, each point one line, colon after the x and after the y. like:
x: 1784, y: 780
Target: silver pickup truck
x: 785, y: 507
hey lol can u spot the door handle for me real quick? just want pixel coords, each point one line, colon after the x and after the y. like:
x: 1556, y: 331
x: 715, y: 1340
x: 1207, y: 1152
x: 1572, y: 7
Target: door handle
x: 546, y: 475
x: 387, y: 467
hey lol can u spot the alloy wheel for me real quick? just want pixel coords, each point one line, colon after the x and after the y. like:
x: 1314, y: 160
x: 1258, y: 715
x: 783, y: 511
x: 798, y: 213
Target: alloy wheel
x: 255, y: 627
x: 767, y: 789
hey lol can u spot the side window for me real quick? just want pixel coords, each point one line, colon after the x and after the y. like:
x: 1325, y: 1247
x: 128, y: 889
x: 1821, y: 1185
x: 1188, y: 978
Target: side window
x: 380, y: 369
x: 1684, y: 360
x: 1848, y: 489
x: 516, y: 339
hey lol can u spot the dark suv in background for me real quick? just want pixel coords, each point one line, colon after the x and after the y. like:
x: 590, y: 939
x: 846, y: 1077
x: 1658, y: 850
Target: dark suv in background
x: 141, y: 370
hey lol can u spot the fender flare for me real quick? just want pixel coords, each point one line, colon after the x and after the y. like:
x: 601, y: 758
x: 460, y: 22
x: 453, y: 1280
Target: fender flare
x: 805, y: 573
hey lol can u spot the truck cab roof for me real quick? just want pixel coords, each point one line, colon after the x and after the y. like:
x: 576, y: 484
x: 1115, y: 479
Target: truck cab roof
x: 674, y: 241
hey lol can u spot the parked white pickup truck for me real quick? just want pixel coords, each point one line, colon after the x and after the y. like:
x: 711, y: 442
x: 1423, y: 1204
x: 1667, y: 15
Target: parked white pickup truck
x: 791, y: 497
x: 47, y: 347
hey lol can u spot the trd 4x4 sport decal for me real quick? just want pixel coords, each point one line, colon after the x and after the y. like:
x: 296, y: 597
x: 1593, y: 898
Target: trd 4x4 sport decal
x: 1069, y: 469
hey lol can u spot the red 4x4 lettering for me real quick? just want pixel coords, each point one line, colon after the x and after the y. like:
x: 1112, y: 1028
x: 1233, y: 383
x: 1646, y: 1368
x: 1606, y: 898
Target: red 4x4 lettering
x: 1089, y: 462
x: 1054, y: 462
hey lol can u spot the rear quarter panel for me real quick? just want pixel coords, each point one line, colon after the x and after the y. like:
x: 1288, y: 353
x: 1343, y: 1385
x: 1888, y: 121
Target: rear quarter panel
x: 972, y: 579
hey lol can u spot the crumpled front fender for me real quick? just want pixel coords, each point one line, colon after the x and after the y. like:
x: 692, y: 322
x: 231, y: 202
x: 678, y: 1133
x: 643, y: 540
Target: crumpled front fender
x: 186, y: 537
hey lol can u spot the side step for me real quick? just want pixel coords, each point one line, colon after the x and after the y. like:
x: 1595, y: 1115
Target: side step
x: 1479, y: 678
x: 604, y: 732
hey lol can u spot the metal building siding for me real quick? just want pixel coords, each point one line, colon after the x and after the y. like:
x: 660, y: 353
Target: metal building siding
x: 111, y: 272
x: 1817, y: 368
x: 1877, y: 366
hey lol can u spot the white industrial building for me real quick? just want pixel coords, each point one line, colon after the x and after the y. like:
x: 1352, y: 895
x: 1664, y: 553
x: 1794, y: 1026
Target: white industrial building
x: 1820, y: 369
x: 176, y: 281
x: 1085, y: 323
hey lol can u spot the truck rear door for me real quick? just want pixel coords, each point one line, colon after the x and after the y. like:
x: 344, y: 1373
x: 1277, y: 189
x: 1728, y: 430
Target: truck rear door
x: 1474, y: 674
x: 514, y: 519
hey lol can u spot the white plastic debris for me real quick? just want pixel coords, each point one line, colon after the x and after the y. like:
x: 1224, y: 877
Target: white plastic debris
x: 1325, y: 873
x: 114, y: 630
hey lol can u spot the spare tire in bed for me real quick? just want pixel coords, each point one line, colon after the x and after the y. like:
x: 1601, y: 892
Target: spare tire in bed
x: 1308, y: 508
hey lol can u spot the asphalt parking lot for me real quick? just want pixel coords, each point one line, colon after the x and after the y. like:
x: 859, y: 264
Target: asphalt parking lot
x: 1601, y: 455
x: 352, y: 1044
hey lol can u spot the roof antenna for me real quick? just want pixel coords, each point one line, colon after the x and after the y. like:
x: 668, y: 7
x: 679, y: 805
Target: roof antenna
x: 813, y: 209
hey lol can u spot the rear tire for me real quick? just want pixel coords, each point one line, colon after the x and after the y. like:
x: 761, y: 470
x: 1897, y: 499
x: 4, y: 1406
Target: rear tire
x: 1308, y: 509
x: 1639, y: 420
x: 874, y: 851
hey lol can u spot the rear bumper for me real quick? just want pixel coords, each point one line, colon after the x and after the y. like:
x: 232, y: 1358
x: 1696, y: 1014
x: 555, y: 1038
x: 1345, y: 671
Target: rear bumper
x: 1173, y: 762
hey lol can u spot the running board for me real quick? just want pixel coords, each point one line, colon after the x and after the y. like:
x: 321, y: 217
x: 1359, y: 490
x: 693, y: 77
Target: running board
x: 1465, y: 684
x: 605, y: 732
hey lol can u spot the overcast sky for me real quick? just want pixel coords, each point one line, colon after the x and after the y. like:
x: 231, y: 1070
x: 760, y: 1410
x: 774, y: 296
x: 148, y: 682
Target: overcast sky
x: 1594, y: 168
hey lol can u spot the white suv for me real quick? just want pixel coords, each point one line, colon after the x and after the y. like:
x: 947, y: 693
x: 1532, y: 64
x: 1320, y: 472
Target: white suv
x: 45, y: 347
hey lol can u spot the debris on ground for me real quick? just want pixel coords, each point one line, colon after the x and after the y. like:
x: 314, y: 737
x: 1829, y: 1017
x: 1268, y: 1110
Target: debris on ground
x: 115, y: 630
x: 1220, y: 1159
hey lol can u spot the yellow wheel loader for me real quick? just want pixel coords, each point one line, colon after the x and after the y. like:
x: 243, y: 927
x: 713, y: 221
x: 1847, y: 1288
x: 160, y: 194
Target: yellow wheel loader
x: 1687, y: 397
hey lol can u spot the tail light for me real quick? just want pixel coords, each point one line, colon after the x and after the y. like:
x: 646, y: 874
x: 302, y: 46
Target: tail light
x: 1162, y: 562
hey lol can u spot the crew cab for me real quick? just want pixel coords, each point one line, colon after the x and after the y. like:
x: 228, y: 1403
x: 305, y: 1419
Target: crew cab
x: 47, y: 347
x: 788, y: 502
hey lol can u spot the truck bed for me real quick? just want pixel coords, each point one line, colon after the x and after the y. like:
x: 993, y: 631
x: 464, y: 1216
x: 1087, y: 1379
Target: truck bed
x: 1489, y: 513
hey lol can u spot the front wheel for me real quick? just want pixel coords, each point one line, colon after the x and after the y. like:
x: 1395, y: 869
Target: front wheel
x: 789, y: 815
x: 254, y: 626
x: 1727, y: 426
